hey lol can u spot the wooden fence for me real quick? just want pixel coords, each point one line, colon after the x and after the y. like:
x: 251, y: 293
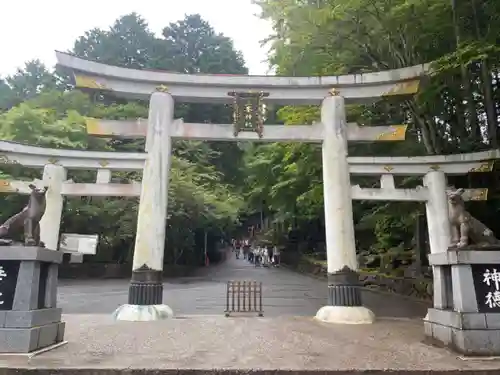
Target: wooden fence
x: 244, y: 297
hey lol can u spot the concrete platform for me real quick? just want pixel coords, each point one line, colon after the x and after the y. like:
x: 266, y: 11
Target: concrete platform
x: 200, y: 344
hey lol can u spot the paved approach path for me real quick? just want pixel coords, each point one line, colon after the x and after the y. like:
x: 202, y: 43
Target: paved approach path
x: 285, y: 293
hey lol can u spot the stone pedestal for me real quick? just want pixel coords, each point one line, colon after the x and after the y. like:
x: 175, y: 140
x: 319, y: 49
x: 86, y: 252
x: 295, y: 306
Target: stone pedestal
x: 466, y: 312
x: 29, y: 318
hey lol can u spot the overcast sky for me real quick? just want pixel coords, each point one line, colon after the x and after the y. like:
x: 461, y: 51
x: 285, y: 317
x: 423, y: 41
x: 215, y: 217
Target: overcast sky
x: 32, y: 29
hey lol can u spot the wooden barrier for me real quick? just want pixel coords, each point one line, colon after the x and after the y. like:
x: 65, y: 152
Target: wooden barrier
x: 244, y: 297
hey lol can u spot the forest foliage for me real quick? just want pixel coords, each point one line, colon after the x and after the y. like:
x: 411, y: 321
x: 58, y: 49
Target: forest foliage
x: 39, y: 108
x: 455, y: 111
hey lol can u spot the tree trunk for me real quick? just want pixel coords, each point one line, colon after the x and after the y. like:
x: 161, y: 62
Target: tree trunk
x: 486, y: 78
x: 489, y: 104
x: 466, y: 81
x: 428, y: 138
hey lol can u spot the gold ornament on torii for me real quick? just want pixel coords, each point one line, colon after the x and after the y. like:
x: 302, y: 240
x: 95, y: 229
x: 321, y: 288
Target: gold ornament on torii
x: 334, y: 92
x: 162, y: 88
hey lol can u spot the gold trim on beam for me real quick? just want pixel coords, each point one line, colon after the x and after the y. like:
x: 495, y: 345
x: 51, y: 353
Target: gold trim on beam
x: 484, y: 167
x: 86, y: 82
x: 93, y: 126
x: 4, y: 159
x: 404, y: 88
x: 478, y: 194
x: 397, y: 133
x: 6, y: 187
x: 388, y: 168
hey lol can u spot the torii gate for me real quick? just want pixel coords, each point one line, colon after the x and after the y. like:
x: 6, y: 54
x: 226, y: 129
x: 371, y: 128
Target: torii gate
x: 145, y: 293
x: 153, y: 203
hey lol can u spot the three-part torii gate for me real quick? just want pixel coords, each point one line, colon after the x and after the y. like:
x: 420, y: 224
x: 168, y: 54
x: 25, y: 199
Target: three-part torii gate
x: 145, y: 294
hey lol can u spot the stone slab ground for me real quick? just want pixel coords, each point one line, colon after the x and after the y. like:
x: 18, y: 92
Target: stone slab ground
x: 285, y: 292
x: 240, y: 345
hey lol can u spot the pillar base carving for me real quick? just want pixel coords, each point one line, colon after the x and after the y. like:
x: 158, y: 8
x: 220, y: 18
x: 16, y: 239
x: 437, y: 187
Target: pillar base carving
x: 345, y: 315
x: 145, y: 296
x: 343, y: 288
x: 146, y: 287
x: 142, y: 313
x: 344, y: 300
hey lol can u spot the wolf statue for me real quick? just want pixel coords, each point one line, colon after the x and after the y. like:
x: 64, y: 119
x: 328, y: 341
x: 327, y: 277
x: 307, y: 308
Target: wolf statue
x: 465, y: 227
x: 28, y: 218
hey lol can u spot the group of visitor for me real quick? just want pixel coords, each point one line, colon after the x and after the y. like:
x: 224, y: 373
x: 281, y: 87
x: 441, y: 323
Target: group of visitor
x: 258, y: 255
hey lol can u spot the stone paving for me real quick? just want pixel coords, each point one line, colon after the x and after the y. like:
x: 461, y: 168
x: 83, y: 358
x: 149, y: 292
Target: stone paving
x: 202, y: 343
x: 201, y: 340
x: 285, y: 293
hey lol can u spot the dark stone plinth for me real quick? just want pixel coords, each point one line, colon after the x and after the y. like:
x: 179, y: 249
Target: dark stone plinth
x: 29, y: 317
x: 344, y: 288
x: 466, y: 312
x: 146, y: 287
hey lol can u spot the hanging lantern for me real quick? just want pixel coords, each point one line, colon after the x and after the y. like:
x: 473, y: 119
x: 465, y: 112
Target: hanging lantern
x: 248, y: 111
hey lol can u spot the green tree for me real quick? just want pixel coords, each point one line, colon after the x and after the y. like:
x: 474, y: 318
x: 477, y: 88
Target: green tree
x: 193, y: 46
x: 44, y: 114
x: 26, y: 83
x: 328, y: 37
x: 128, y: 43
x: 187, y: 46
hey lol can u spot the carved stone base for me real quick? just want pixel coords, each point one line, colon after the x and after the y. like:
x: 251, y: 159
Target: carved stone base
x: 344, y: 288
x: 141, y: 313
x: 343, y: 295
x: 344, y: 300
x: 345, y: 315
x: 145, y: 294
x: 146, y: 287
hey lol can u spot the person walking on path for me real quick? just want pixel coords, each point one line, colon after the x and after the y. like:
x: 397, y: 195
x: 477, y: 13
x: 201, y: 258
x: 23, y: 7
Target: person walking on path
x: 257, y: 256
x: 276, y: 256
x: 265, y: 256
x: 271, y: 254
x: 246, y: 247
x: 246, y: 252
x: 237, y: 247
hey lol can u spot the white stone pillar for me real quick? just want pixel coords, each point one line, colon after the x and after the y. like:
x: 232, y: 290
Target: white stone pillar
x: 146, y: 286
x: 438, y: 223
x: 53, y: 178
x: 344, y: 295
x: 438, y: 226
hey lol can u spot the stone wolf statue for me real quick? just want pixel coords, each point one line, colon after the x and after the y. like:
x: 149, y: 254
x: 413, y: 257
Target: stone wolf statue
x: 28, y: 218
x: 465, y: 227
